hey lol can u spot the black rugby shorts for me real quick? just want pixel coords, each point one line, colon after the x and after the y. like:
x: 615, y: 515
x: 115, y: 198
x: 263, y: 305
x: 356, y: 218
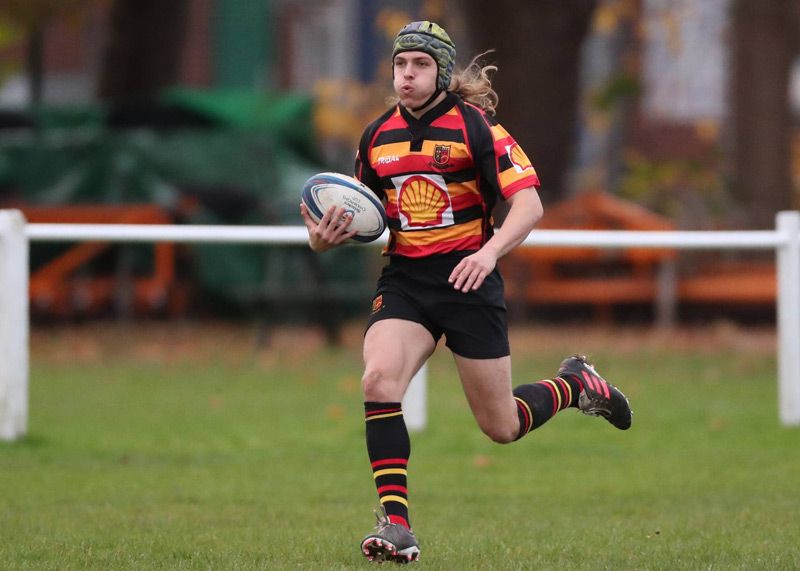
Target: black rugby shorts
x: 474, y: 324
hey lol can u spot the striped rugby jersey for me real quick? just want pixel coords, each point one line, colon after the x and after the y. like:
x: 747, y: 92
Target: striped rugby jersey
x: 441, y: 175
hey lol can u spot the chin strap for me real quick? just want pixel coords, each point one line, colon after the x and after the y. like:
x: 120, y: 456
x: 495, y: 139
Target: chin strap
x: 428, y: 102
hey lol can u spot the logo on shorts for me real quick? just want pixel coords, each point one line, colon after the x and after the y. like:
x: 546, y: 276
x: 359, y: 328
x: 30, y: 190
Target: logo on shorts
x: 377, y: 304
x: 441, y: 155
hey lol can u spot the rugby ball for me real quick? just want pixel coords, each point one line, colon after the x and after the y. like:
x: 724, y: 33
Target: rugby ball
x: 327, y: 189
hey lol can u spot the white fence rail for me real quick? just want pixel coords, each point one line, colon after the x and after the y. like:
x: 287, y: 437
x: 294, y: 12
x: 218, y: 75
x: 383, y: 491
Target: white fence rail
x: 15, y: 236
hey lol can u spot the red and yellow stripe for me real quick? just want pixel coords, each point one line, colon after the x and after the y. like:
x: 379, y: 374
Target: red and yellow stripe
x: 383, y: 413
x: 526, y: 412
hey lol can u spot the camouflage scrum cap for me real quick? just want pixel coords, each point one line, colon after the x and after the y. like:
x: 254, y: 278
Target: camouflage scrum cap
x: 431, y: 39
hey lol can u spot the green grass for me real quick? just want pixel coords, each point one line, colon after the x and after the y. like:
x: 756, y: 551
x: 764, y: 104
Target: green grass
x: 256, y: 461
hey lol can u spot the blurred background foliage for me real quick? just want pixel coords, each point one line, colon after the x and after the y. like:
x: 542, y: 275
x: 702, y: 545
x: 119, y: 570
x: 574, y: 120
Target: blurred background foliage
x: 217, y: 110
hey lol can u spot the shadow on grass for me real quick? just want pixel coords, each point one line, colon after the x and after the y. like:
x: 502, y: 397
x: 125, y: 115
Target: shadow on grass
x: 29, y: 441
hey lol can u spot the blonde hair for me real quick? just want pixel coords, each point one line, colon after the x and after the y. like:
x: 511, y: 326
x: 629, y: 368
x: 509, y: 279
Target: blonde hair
x: 474, y: 85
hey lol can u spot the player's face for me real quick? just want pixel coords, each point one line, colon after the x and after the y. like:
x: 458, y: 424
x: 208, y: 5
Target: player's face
x: 414, y: 78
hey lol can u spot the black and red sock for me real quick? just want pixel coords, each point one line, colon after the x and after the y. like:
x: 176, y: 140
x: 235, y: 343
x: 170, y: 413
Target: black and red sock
x: 389, y: 448
x: 539, y: 402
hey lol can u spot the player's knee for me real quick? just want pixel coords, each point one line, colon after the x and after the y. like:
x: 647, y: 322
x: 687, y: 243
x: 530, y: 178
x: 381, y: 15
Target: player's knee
x: 500, y: 434
x: 378, y: 386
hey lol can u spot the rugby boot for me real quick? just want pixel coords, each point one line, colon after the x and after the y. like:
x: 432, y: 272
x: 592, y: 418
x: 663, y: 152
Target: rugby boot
x: 598, y: 397
x: 390, y: 541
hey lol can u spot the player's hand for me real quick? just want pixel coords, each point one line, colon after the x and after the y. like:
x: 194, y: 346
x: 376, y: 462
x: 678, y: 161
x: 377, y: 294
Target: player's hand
x: 331, y: 231
x: 472, y: 270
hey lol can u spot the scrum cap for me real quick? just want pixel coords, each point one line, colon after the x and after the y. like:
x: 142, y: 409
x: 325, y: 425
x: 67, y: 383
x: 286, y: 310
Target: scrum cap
x: 433, y: 40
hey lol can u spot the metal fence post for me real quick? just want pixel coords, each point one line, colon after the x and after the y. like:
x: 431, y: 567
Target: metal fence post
x: 13, y: 325
x: 788, y: 227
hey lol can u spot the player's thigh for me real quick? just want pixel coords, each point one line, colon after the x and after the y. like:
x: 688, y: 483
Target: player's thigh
x: 394, y: 350
x: 487, y: 386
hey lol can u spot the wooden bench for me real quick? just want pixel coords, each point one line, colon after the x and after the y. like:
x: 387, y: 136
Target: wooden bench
x: 733, y: 282
x: 597, y: 277
x: 604, y: 278
x: 62, y: 288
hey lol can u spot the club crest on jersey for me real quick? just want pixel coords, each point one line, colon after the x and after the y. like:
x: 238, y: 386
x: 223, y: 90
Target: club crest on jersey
x: 441, y: 155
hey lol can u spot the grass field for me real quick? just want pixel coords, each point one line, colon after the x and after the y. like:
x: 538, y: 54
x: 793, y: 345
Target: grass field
x: 185, y: 447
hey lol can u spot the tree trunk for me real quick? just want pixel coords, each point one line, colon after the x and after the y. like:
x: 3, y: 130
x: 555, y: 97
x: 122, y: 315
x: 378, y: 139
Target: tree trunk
x: 537, y: 50
x: 36, y: 65
x: 763, y: 47
x: 144, y: 49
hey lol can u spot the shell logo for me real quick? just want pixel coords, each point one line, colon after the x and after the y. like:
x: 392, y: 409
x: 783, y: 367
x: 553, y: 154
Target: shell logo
x: 422, y: 202
x: 518, y: 158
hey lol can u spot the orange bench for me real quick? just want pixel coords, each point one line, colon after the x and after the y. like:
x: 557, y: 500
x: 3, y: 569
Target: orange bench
x: 584, y: 275
x: 57, y: 289
x: 741, y: 283
x: 603, y: 278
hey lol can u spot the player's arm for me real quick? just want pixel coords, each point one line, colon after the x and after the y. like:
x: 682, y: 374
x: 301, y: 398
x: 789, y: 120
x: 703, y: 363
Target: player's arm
x: 524, y: 212
x: 331, y: 231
